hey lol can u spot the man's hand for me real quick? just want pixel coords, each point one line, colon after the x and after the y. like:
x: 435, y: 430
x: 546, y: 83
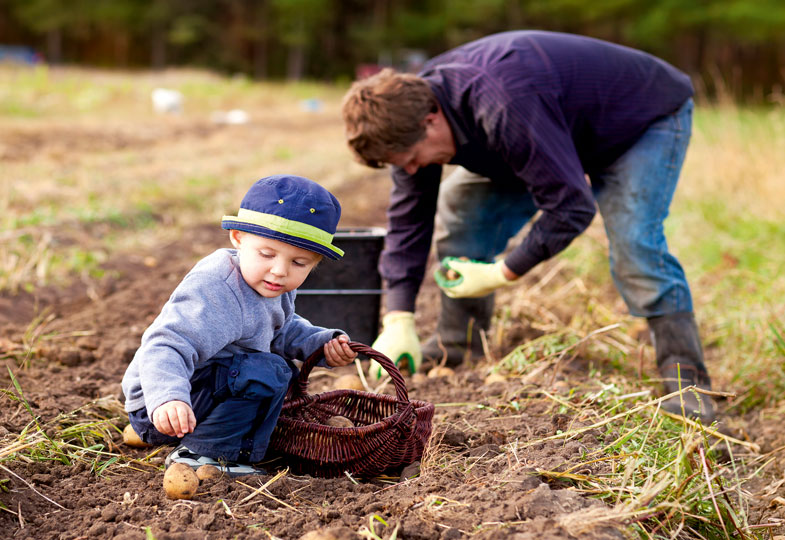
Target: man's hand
x: 174, y: 418
x: 399, y: 342
x: 338, y: 353
x: 460, y: 278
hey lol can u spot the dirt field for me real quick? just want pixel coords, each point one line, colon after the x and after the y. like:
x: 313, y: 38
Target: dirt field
x: 480, y: 478
x: 444, y: 503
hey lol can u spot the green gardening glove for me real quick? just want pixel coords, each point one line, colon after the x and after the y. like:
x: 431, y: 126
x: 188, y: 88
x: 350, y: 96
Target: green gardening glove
x: 461, y: 278
x: 399, y: 342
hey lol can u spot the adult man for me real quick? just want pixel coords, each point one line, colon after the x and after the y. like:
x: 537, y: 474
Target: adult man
x: 530, y: 116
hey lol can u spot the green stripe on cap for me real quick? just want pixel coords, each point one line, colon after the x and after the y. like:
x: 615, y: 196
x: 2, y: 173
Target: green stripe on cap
x: 286, y: 226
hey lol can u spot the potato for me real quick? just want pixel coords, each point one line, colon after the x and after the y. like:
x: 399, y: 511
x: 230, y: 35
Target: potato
x: 451, y: 274
x: 440, y: 371
x: 418, y: 378
x: 339, y: 421
x: 180, y: 481
x: 495, y: 377
x: 349, y: 382
x: 208, y: 472
x: 131, y: 438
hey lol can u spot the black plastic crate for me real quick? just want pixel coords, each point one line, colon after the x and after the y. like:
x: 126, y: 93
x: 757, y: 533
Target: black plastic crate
x: 347, y: 294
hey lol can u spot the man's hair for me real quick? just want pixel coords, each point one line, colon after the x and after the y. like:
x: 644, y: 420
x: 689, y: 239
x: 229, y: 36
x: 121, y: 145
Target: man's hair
x: 384, y: 114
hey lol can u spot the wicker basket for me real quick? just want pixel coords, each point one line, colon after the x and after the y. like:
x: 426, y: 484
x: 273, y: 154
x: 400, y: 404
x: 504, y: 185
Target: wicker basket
x: 390, y: 431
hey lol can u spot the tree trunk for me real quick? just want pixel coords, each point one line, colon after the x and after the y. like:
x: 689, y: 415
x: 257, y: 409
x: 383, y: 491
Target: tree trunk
x: 158, y: 49
x: 121, y: 48
x: 260, y: 45
x: 54, y: 46
x: 260, y: 57
x: 295, y: 62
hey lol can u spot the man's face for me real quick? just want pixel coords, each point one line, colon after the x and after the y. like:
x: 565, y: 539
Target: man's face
x: 437, y: 147
x: 271, y: 267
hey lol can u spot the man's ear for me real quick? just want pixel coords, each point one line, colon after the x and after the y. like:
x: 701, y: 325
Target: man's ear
x: 235, y: 237
x: 431, y: 119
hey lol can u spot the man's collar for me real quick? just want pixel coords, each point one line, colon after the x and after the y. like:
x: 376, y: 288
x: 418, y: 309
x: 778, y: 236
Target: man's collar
x: 459, y: 136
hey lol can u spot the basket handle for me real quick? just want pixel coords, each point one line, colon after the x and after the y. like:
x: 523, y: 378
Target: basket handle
x: 299, y: 386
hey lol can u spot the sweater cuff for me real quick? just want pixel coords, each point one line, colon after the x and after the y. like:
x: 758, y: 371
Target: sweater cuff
x: 157, y: 401
x: 401, y: 299
x: 520, y: 263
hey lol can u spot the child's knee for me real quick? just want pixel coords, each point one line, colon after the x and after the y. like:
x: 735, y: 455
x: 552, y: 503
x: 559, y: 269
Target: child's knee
x: 258, y: 376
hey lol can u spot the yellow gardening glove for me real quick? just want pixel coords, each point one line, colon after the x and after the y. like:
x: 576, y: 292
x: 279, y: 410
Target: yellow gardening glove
x: 460, y: 278
x: 398, y: 341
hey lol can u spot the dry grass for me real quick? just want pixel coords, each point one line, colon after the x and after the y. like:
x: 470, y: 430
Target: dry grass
x: 734, y: 158
x: 665, y: 479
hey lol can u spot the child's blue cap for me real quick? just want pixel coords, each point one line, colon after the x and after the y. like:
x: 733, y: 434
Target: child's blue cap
x: 291, y: 209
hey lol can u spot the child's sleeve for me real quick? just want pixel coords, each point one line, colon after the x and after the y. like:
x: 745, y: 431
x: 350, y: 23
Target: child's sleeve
x: 298, y: 338
x: 200, y: 318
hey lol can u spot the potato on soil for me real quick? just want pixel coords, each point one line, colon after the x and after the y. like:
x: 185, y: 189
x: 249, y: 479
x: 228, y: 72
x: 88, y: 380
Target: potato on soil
x: 339, y: 421
x: 180, y: 481
x: 208, y: 472
x: 495, y: 377
x: 419, y: 378
x: 130, y: 438
x: 348, y: 382
x: 440, y: 371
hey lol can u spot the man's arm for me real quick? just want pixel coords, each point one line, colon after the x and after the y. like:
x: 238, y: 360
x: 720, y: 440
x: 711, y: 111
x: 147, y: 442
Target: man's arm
x: 534, y: 139
x: 528, y: 131
x: 410, y: 227
x: 410, y: 218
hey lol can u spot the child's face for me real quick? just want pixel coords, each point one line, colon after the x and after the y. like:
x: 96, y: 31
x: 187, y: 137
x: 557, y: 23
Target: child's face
x: 271, y: 267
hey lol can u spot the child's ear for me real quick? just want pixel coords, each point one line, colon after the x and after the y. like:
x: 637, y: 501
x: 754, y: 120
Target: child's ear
x: 235, y: 237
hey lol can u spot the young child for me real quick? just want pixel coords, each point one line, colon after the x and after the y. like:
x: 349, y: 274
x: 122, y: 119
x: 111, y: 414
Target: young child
x: 214, y: 367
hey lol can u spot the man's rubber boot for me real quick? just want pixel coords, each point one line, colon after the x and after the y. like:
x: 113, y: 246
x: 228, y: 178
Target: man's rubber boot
x: 458, y: 330
x: 680, y: 364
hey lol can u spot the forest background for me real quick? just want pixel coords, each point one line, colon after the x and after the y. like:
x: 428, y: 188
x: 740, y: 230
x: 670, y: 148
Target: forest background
x: 732, y: 48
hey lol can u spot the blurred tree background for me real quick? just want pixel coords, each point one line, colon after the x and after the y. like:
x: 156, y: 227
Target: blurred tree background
x: 733, y: 48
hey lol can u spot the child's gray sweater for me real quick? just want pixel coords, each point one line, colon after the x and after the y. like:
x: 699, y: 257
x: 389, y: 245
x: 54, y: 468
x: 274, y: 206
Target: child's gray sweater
x: 212, y: 314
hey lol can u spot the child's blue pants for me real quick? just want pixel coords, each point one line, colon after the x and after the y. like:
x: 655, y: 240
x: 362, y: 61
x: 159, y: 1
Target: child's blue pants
x: 236, y: 402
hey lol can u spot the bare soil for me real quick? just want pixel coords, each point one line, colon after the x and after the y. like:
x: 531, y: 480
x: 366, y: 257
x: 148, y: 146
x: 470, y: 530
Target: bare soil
x: 472, y: 481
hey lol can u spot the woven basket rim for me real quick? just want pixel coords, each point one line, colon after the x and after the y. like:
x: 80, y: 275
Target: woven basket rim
x: 329, y: 394
x: 417, y: 407
x: 299, y: 387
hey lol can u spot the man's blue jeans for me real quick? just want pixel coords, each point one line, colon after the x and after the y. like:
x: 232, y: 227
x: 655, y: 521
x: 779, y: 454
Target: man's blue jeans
x: 476, y: 217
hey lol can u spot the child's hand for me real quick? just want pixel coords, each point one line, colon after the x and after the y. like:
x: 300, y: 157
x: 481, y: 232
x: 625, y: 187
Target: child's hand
x: 338, y: 353
x: 174, y: 418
